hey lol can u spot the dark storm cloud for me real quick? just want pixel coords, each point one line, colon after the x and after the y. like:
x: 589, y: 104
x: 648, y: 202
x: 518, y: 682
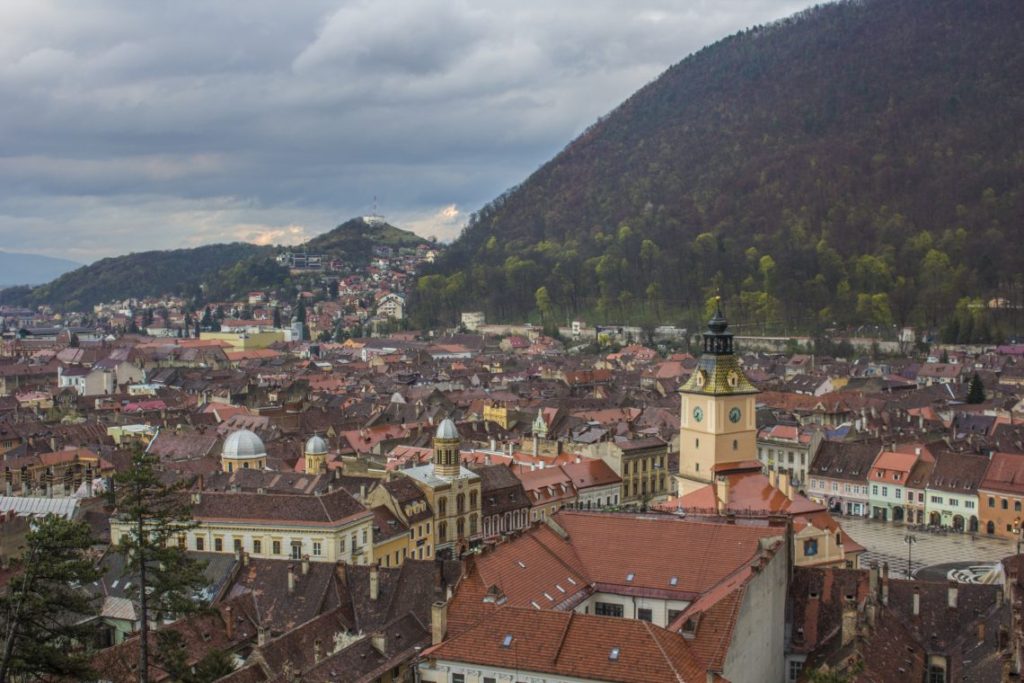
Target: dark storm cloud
x: 130, y: 126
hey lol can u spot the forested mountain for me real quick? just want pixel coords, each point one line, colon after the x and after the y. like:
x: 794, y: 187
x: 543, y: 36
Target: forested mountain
x: 208, y: 273
x: 860, y: 162
x: 223, y: 268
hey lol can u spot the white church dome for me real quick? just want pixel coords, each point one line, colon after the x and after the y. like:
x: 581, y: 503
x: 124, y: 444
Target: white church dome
x: 316, y: 445
x: 243, y: 445
x: 446, y: 430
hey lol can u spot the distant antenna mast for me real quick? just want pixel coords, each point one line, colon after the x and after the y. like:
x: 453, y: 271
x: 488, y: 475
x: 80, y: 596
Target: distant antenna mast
x: 375, y: 217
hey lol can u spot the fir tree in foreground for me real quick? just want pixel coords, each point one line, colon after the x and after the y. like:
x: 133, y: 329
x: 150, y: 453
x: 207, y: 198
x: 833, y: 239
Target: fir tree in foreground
x: 169, y: 581
x: 43, y: 613
x: 976, y: 392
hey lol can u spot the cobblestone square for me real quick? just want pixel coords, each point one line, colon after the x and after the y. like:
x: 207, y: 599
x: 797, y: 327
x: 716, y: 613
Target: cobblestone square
x: 884, y: 542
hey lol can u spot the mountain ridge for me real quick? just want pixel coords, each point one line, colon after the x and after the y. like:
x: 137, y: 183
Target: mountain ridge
x: 812, y: 172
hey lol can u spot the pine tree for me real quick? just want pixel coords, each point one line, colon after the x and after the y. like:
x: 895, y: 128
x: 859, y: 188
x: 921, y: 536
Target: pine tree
x: 43, y: 611
x: 277, y: 318
x: 158, y: 516
x: 976, y: 391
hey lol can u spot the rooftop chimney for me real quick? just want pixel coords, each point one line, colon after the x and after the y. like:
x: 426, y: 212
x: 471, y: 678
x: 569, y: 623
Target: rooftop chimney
x: 917, y: 601
x: 438, y: 622
x: 379, y: 642
x: 873, y: 580
x: 885, y: 583
x: 229, y: 623
x: 722, y: 493
x: 374, y: 582
x: 981, y: 631
x: 951, y: 595
x: 305, y: 564
x: 849, y: 619
x: 261, y: 636
x: 291, y: 578
x: 317, y: 650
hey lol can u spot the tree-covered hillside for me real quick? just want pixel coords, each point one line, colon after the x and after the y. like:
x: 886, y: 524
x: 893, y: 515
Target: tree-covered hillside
x: 859, y: 163
x: 209, y: 272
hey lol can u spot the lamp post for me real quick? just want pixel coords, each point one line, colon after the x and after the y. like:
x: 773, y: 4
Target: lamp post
x: 910, y: 540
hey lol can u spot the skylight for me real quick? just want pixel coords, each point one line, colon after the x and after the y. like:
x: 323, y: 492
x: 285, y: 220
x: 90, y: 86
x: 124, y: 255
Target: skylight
x: 630, y: 576
x: 673, y: 581
x: 571, y: 581
x: 507, y: 640
x: 614, y: 654
x: 546, y: 595
x: 522, y: 565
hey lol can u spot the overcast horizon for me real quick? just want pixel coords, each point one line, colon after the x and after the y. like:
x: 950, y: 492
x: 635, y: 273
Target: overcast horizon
x: 136, y: 126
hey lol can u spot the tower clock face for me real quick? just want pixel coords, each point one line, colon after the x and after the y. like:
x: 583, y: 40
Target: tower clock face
x: 698, y: 414
x: 734, y: 415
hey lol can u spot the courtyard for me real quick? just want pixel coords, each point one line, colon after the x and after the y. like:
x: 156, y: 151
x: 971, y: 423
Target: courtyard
x: 884, y: 542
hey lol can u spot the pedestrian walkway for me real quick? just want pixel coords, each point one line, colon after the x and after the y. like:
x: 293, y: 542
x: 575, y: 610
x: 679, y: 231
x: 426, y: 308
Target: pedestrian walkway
x: 885, y: 542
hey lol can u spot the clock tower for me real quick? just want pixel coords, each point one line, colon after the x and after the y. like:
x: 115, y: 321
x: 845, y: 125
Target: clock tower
x: 718, y: 421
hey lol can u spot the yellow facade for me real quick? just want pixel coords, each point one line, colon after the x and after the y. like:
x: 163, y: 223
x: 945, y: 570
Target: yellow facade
x: 497, y: 414
x: 242, y: 341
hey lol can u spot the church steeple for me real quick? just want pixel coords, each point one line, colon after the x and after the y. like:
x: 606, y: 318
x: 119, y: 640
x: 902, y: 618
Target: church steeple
x: 718, y: 370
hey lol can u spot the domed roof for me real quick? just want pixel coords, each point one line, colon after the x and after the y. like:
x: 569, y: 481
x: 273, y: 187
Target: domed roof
x: 243, y: 445
x: 446, y: 430
x: 316, y: 445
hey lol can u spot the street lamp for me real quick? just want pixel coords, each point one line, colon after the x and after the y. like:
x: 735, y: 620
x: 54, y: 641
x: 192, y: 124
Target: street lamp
x: 910, y: 540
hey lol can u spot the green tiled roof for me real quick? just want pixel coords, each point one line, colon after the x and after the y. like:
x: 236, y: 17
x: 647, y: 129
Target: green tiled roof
x: 716, y: 371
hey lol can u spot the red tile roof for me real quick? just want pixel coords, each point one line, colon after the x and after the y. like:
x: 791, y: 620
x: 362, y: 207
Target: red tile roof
x: 1005, y: 474
x: 576, y: 645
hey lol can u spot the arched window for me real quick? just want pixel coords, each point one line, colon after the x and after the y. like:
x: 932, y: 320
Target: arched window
x: 442, y: 507
x: 506, y: 522
x: 460, y: 503
x: 472, y: 525
x: 460, y: 527
x: 442, y: 531
x: 472, y: 500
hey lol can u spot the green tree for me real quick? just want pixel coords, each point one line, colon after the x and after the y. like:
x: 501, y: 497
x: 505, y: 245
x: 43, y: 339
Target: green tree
x: 976, y: 391
x: 43, y: 611
x: 543, y: 300
x: 277, y: 318
x: 157, y: 515
x: 173, y: 656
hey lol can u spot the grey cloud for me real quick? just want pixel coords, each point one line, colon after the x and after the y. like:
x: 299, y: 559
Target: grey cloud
x: 130, y: 125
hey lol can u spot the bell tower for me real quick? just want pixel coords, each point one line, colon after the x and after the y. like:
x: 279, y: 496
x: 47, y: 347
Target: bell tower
x: 718, y: 421
x: 446, y: 450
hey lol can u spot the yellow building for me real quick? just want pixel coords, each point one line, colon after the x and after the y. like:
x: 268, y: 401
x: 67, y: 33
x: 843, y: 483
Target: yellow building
x: 331, y: 527
x: 409, y: 505
x: 718, y: 422
x: 245, y: 341
x: 452, y: 492
x: 243, y: 450
x: 498, y: 414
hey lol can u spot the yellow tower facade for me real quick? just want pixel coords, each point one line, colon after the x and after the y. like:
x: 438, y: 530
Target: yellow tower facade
x: 718, y: 420
x: 315, y: 454
x: 447, y: 462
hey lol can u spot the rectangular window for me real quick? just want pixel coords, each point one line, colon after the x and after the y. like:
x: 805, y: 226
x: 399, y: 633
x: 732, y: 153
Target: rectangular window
x: 795, y: 667
x: 200, y: 543
x: 810, y: 547
x: 458, y: 678
x: 953, y: 502
x: 644, y: 614
x: 673, y: 613
x: 969, y: 504
x: 899, y: 494
x: 607, y: 609
x: 237, y: 543
x: 275, y: 548
x: 885, y: 491
x: 920, y: 497
x: 257, y: 547
x: 218, y: 544
x: 874, y: 489
x: 296, y: 550
x: 316, y: 547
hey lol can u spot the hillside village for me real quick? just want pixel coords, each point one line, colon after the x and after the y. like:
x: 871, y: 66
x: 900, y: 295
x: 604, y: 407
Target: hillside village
x: 398, y: 483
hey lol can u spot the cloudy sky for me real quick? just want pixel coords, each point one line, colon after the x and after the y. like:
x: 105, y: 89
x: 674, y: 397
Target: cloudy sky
x: 130, y: 125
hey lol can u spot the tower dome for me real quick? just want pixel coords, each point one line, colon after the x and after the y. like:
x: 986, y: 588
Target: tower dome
x: 446, y: 450
x: 316, y: 445
x: 446, y: 430
x: 243, y: 450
